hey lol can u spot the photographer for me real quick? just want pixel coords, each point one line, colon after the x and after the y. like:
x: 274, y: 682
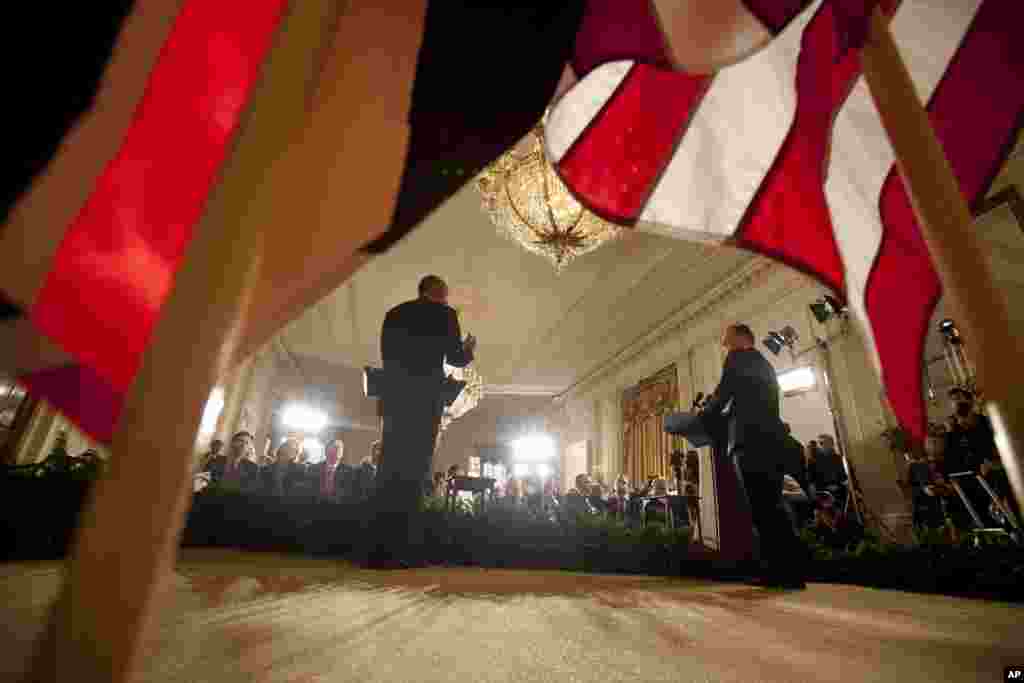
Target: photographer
x: 970, y: 447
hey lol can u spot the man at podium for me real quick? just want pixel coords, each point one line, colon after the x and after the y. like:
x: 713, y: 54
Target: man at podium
x: 748, y: 397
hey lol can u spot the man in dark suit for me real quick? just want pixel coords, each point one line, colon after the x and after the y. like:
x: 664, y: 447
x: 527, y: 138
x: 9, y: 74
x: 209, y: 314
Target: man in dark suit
x: 417, y: 338
x: 749, y: 391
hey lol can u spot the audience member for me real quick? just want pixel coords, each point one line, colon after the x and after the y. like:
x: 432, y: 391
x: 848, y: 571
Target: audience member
x: 332, y: 458
x: 796, y: 501
x: 285, y: 464
x: 240, y: 470
x: 216, y: 447
x: 811, y: 469
x: 829, y: 468
x: 794, y: 459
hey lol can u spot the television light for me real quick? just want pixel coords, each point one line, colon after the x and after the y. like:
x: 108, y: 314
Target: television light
x: 533, y: 448
x: 303, y: 418
x: 797, y: 380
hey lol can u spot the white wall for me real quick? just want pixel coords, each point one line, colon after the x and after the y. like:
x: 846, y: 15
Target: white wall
x: 767, y: 297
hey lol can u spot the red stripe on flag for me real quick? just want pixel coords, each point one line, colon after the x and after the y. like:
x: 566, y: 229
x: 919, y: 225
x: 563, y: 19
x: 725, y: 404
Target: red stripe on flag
x: 615, y: 164
x: 116, y: 264
x: 79, y: 393
x: 976, y: 111
x: 789, y: 219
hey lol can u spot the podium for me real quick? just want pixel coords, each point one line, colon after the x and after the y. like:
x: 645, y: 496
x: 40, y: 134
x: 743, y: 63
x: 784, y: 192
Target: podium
x: 729, y: 503
x: 691, y: 425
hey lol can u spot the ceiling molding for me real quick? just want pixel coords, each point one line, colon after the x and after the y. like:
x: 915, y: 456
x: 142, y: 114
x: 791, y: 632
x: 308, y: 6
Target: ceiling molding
x: 521, y: 390
x: 741, y: 279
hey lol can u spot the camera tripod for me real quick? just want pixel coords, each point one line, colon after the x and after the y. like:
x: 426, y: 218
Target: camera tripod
x: 855, y: 501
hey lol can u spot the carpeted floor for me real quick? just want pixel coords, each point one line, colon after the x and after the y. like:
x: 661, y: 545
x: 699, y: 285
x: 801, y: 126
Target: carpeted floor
x: 259, y: 617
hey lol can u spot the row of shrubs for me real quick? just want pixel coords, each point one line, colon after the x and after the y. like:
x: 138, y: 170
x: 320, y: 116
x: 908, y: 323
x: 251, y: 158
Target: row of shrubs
x: 39, y: 514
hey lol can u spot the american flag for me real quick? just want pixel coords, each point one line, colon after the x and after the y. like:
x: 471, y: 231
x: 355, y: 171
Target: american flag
x: 783, y: 153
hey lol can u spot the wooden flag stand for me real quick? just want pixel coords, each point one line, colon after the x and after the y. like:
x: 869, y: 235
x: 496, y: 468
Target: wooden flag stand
x: 247, y: 248
x: 126, y: 547
x: 945, y: 221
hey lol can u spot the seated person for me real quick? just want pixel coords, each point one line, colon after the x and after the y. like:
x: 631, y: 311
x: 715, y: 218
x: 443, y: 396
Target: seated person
x: 576, y: 501
x: 793, y: 462
x: 811, y: 470
x: 829, y: 465
x: 926, y: 507
x: 216, y: 450
x: 286, y: 465
x: 237, y: 468
x: 656, y: 509
x: 796, y: 501
x: 596, y: 497
x: 620, y: 497
x: 365, y: 478
x: 833, y: 528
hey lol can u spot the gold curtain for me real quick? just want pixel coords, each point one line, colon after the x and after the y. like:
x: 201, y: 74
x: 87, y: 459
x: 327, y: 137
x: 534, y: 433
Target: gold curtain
x: 646, y: 447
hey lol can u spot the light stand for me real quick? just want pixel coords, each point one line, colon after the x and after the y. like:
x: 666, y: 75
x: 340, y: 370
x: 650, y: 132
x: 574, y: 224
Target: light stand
x: 787, y: 338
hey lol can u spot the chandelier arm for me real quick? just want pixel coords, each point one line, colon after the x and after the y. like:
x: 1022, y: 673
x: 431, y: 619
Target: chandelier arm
x: 545, y: 168
x: 515, y: 209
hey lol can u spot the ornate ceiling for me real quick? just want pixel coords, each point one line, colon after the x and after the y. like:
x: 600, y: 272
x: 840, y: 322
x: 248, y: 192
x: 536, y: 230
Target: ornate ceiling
x: 539, y: 332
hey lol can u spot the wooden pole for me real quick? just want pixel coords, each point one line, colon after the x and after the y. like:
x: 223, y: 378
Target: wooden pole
x: 126, y: 544
x: 946, y: 226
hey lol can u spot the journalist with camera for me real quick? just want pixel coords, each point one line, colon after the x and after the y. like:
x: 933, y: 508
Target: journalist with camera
x: 970, y: 448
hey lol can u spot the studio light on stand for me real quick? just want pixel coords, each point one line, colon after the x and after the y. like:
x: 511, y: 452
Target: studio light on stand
x: 787, y: 338
x: 956, y: 359
x: 827, y: 308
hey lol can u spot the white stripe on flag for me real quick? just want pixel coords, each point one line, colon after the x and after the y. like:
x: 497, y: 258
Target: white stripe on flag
x: 928, y: 33
x: 731, y: 143
x: 571, y: 114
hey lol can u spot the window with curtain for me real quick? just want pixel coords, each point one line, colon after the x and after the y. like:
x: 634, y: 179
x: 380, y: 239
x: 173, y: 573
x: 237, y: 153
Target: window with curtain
x: 646, y: 447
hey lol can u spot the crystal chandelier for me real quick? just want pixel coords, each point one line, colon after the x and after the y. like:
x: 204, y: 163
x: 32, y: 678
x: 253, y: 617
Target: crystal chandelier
x: 530, y: 204
x: 470, y: 396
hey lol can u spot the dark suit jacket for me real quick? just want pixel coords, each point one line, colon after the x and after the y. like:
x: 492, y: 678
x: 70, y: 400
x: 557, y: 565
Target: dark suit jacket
x: 750, y: 385
x: 418, y: 337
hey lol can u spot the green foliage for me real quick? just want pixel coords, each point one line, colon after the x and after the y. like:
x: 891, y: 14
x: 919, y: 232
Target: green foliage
x: 223, y: 488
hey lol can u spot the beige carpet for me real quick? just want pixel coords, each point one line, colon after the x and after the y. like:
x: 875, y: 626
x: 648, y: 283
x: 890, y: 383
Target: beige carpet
x: 261, y: 617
